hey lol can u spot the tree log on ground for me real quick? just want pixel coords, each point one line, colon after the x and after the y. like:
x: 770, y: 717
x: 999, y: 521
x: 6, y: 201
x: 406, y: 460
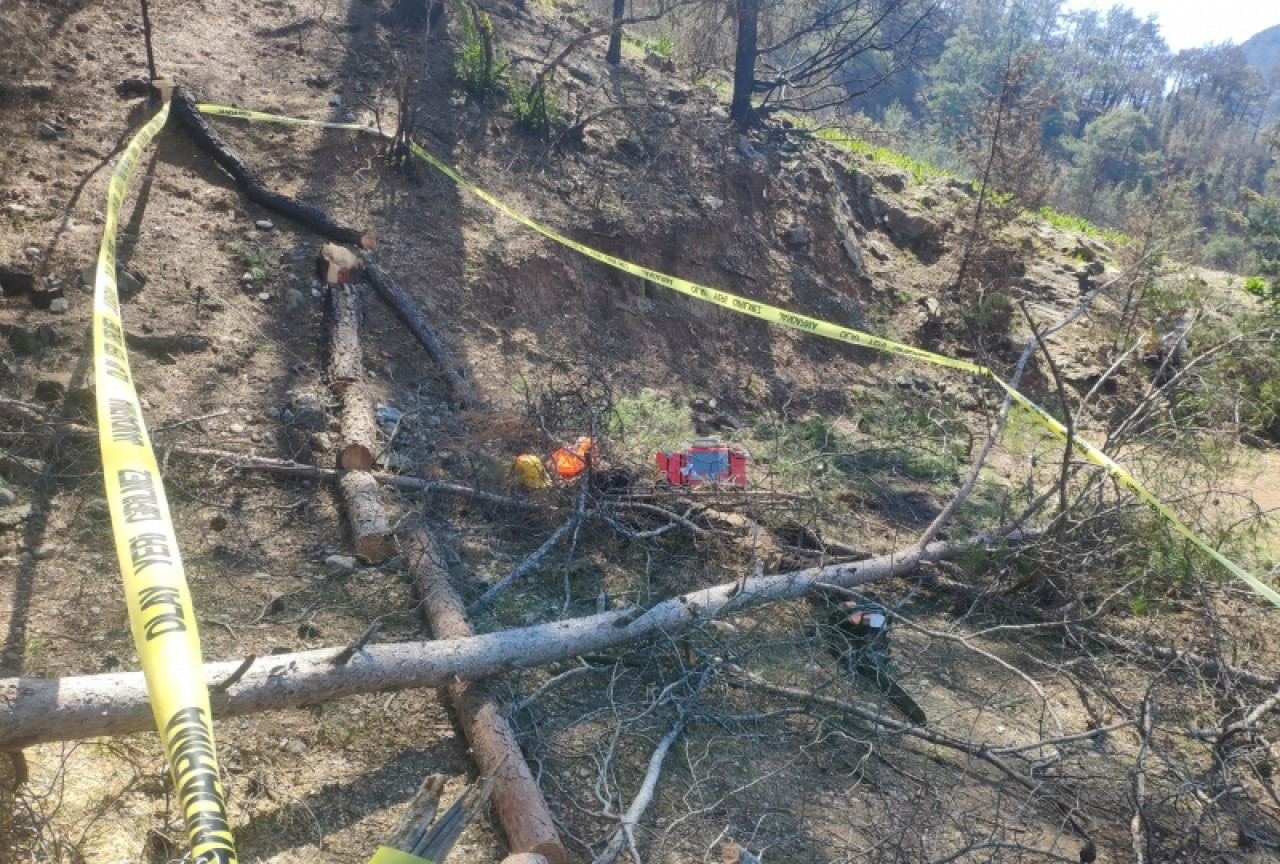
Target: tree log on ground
x: 518, y: 801
x: 459, y: 388
x: 343, y: 363
x: 370, y: 531
x: 359, y: 430
x: 38, y: 710
x: 184, y: 109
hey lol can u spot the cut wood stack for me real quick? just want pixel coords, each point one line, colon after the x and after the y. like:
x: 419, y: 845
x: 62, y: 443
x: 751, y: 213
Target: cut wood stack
x: 370, y: 530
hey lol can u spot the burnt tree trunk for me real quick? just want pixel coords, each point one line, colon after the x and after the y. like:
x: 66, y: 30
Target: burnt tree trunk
x: 614, y: 55
x: 460, y: 390
x: 744, y: 64
x: 516, y: 797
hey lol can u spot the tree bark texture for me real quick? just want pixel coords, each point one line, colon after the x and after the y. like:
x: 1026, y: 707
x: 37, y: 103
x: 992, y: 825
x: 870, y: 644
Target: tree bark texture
x: 459, y: 387
x: 744, y: 63
x: 614, y: 55
x: 370, y: 532
x: 344, y: 365
x: 359, y: 429
x: 38, y: 710
x: 518, y: 801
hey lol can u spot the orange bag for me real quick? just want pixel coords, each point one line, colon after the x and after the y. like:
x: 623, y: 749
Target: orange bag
x: 572, y: 461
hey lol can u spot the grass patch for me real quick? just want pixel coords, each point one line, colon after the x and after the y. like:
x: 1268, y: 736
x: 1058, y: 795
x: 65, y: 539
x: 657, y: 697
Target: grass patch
x: 1066, y: 222
x: 256, y: 259
x: 919, y: 171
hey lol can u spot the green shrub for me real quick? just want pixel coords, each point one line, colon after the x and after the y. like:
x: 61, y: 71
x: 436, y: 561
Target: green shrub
x: 481, y: 61
x: 536, y: 106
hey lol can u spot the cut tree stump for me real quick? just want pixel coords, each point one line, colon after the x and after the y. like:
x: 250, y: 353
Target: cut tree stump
x: 337, y: 264
x: 342, y: 336
x: 517, y: 800
x: 370, y: 532
x: 359, y: 429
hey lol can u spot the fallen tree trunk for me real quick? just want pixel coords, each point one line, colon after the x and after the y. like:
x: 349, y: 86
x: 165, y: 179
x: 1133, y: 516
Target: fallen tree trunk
x: 459, y: 388
x: 343, y: 362
x: 359, y: 435
x: 370, y: 531
x: 37, y: 710
x: 184, y: 108
x: 517, y: 800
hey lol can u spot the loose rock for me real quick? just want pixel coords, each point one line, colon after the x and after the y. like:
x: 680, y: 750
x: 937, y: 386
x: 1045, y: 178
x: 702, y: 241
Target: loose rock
x: 340, y: 565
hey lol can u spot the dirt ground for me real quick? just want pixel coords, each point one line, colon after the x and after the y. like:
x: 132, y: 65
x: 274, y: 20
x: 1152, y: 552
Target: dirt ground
x: 548, y: 338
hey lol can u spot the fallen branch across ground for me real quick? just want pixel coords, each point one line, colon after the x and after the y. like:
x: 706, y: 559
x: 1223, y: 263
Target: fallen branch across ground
x: 184, y: 109
x: 299, y: 471
x: 36, y: 710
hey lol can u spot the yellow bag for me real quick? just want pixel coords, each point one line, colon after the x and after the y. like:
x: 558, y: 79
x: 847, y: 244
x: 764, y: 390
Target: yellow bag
x: 528, y: 472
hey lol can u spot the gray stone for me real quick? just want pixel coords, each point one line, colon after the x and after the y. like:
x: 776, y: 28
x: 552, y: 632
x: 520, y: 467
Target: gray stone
x: 796, y: 237
x: 31, y: 252
x: 263, y: 225
x: 340, y: 565
x: 894, y: 181
x: 911, y: 226
x: 59, y: 305
x: 7, y: 497
x: 129, y: 283
x: 748, y: 151
x: 307, y: 413
x: 264, y: 296
x: 630, y: 148
x: 582, y: 74
x: 294, y: 299
x: 665, y: 118
x: 236, y: 428
x: 877, y: 206
x: 47, y: 131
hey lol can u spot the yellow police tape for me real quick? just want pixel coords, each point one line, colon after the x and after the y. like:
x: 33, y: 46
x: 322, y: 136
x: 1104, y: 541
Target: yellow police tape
x: 160, y: 610
x: 387, y: 855
x: 806, y: 324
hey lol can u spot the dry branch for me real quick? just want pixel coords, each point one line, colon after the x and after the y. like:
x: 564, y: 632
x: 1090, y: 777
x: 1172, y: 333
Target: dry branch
x: 37, y: 710
x: 459, y: 388
x: 516, y: 797
x: 299, y: 471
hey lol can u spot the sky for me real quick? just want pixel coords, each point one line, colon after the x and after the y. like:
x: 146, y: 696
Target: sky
x: 1192, y: 23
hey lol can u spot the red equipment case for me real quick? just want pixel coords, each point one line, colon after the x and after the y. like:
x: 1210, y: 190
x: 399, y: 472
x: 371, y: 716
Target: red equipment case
x: 705, y: 460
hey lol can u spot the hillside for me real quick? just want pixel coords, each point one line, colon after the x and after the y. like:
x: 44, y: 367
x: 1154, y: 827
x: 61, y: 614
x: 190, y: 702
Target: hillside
x: 1081, y: 664
x: 1262, y: 50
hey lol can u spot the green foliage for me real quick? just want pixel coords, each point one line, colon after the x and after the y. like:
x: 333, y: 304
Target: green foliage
x: 536, y: 106
x: 919, y: 171
x: 1265, y: 291
x: 642, y: 425
x: 257, y: 259
x: 481, y: 62
x: 1066, y: 222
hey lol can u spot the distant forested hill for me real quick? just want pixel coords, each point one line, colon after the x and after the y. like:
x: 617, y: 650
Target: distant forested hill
x: 1263, y: 50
